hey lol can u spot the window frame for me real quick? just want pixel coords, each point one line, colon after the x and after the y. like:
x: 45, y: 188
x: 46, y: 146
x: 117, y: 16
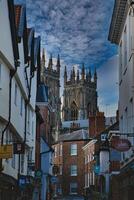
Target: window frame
x: 74, y: 170
x: 74, y: 149
x: 71, y: 187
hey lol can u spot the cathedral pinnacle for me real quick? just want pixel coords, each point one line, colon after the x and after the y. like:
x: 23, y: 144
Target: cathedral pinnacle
x: 95, y: 76
x: 58, y: 64
x: 78, y: 77
x: 43, y: 60
x: 50, y: 64
x: 83, y: 72
x: 65, y: 75
x: 89, y: 75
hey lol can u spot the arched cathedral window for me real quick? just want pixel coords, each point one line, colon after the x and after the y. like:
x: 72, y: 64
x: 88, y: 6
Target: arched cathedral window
x: 74, y: 111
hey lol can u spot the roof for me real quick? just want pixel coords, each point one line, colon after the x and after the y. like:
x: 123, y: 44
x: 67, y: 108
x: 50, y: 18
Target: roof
x: 13, y: 31
x: 75, y: 135
x: 20, y: 18
x: 118, y: 19
x: 114, y: 127
x: 17, y: 15
x: 42, y: 94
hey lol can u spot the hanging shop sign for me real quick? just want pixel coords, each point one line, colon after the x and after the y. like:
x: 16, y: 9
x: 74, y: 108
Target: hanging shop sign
x: 6, y: 151
x: 19, y: 148
x: 120, y: 144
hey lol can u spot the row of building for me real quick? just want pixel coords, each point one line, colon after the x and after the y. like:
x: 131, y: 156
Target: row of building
x: 99, y: 163
x: 29, y: 108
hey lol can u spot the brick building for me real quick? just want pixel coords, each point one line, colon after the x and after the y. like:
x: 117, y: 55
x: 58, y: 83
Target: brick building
x: 90, y: 150
x: 69, y: 158
x: 96, y: 123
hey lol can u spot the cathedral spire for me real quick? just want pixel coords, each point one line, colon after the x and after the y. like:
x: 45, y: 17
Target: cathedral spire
x: 58, y: 64
x: 65, y: 75
x: 83, y: 72
x: 89, y: 75
x: 43, y: 60
x: 73, y: 74
x: 50, y: 64
x: 95, y: 76
x: 78, y: 77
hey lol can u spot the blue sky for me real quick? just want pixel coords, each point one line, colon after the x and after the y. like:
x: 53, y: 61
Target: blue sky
x: 78, y: 31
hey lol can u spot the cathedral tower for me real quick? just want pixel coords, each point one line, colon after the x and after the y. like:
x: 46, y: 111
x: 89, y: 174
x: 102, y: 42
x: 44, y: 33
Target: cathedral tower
x: 80, y: 95
x: 50, y: 75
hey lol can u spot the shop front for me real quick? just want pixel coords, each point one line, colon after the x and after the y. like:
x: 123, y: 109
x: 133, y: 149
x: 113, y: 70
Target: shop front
x: 8, y: 187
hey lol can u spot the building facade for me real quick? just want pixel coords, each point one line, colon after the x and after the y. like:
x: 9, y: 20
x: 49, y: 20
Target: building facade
x: 122, y: 33
x: 19, y: 59
x: 80, y: 95
x: 69, y: 158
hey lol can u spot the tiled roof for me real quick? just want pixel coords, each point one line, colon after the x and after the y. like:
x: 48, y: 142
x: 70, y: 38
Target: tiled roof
x: 17, y: 15
x: 42, y: 94
x: 20, y: 17
x: 76, y: 135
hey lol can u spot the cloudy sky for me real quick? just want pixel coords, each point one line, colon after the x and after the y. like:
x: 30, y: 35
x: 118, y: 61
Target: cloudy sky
x: 78, y: 31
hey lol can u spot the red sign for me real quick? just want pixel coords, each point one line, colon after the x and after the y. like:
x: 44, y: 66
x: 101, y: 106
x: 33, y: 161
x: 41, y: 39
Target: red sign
x: 120, y: 144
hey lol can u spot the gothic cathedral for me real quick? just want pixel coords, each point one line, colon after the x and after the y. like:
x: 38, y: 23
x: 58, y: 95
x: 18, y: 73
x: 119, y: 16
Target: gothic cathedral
x: 50, y: 75
x: 80, y: 95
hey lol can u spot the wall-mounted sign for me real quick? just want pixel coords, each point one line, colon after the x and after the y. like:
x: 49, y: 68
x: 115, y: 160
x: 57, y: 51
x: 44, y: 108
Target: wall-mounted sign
x: 120, y: 144
x: 6, y: 151
x: 54, y: 179
x: 96, y: 169
x: 19, y: 148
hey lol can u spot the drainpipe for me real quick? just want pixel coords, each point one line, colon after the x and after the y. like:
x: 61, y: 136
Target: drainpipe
x: 12, y: 73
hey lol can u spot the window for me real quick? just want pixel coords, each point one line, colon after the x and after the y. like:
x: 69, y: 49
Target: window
x: 125, y: 46
x: 15, y: 95
x: 73, y: 149
x: 28, y: 120
x: 13, y: 161
x: 22, y: 163
x: 60, y: 149
x: 60, y: 169
x: 73, y: 170
x: 74, y: 111
x: 73, y: 188
x: 55, y: 151
x: 21, y: 106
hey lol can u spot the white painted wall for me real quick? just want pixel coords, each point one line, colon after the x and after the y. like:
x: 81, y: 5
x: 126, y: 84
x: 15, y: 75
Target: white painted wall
x: 17, y: 119
x: 5, y: 33
x: 126, y: 77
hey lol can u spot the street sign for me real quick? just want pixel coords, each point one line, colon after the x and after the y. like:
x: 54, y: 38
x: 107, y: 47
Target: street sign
x: 6, y: 151
x: 19, y: 148
x: 96, y: 169
x: 54, y: 179
x: 38, y: 174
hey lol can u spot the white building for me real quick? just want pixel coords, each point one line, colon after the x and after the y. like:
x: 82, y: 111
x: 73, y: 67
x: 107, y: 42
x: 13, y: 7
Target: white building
x: 18, y: 80
x: 122, y: 33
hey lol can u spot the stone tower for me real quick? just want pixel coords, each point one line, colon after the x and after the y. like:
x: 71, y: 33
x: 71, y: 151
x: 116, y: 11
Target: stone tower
x: 80, y: 95
x: 50, y: 75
